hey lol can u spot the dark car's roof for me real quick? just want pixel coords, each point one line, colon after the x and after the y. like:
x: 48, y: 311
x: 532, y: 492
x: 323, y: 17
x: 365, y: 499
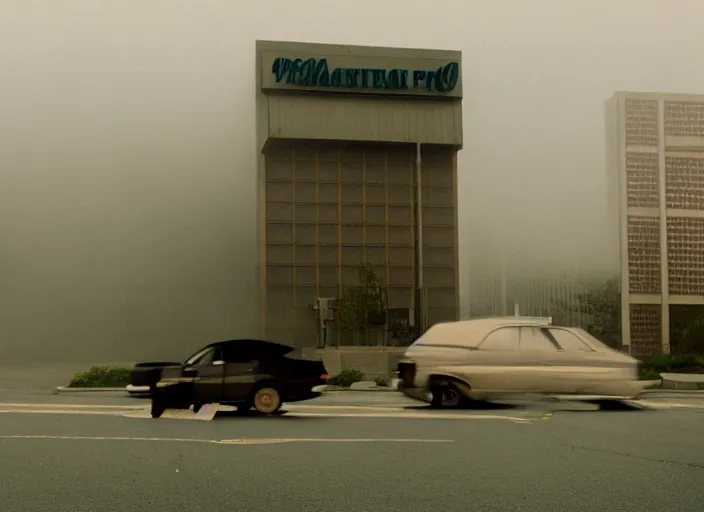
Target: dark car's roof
x: 254, y: 345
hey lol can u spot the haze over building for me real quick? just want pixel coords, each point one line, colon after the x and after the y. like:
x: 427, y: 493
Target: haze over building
x: 128, y: 170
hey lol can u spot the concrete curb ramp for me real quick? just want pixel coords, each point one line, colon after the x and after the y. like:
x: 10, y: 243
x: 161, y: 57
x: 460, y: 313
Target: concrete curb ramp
x: 682, y: 381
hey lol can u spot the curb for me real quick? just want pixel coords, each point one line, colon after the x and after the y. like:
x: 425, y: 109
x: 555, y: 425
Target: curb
x: 66, y: 389
x: 655, y: 391
x: 673, y: 385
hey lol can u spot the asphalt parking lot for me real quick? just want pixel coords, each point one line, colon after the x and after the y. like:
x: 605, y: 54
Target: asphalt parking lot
x: 361, y: 452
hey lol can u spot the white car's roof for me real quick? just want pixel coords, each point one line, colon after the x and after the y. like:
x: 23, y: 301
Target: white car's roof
x: 471, y: 332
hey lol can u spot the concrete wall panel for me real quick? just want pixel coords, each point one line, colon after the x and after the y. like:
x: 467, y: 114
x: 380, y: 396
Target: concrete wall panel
x: 365, y: 119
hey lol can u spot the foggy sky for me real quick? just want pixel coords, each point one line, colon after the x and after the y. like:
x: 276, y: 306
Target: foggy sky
x: 128, y: 144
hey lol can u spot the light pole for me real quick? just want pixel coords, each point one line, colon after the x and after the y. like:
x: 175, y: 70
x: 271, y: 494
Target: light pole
x: 419, y: 298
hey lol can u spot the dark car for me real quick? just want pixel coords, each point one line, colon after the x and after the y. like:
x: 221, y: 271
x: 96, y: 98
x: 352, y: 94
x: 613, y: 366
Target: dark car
x: 244, y: 373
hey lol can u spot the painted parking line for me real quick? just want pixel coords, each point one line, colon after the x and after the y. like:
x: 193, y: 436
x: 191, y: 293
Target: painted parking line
x: 231, y: 442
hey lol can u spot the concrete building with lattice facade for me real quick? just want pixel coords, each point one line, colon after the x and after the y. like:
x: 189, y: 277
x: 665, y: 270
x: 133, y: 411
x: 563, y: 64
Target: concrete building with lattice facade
x: 655, y: 161
x: 346, y: 134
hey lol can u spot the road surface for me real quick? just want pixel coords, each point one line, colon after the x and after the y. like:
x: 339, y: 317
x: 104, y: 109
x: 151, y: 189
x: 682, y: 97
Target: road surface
x: 348, y: 452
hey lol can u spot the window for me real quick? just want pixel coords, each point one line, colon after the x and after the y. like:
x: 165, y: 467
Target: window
x: 532, y: 338
x: 235, y: 354
x: 207, y: 358
x: 505, y: 338
x: 204, y: 357
x: 198, y: 356
x: 568, y: 341
x: 217, y: 355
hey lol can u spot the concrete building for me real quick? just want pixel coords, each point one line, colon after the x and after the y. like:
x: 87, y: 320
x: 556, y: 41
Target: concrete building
x: 344, y: 134
x: 655, y: 162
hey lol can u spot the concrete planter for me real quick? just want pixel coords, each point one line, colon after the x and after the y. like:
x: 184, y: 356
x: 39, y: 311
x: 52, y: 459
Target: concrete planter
x: 682, y: 381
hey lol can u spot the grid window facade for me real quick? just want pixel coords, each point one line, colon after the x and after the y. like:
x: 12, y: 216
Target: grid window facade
x: 644, y: 254
x: 645, y: 330
x: 685, y: 182
x: 685, y: 248
x: 332, y: 206
x: 642, y: 179
x: 641, y: 122
x: 684, y: 119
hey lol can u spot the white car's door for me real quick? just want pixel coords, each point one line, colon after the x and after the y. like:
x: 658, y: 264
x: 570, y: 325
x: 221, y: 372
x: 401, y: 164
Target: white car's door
x: 498, y: 366
x: 552, y: 371
x: 538, y: 355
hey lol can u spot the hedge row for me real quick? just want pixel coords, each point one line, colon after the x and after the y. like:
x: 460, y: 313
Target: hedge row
x: 102, y: 377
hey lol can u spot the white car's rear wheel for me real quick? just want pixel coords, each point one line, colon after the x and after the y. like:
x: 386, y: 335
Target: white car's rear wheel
x: 267, y: 400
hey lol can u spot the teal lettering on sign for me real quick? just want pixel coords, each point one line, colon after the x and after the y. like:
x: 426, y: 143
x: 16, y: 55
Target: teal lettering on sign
x: 316, y: 73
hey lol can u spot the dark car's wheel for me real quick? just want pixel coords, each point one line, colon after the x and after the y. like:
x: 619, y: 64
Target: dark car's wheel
x: 266, y: 400
x: 197, y: 407
x: 447, y: 396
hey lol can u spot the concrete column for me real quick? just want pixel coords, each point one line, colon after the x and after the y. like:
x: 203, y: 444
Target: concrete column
x: 662, y: 202
x: 623, y: 227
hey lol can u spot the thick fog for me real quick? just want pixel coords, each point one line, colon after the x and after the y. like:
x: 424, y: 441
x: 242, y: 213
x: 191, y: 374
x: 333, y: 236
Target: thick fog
x: 127, y: 149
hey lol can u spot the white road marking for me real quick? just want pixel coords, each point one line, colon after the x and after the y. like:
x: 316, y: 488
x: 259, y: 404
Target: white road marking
x: 512, y: 419
x: 69, y: 406
x: 671, y: 405
x: 60, y: 411
x: 226, y: 441
x: 331, y: 440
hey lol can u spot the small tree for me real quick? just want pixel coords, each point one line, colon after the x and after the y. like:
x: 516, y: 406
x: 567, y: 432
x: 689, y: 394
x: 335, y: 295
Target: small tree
x: 601, y: 307
x: 363, y: 306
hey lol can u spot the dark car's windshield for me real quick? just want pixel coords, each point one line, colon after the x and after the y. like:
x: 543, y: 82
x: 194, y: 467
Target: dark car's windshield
x: 198, y: 356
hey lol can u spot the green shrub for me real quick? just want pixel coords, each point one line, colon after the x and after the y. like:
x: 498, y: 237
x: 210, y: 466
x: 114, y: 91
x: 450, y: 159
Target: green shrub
x: 347, y: 377
x: 652, y: 367
x: 648, y: 374
x: 102, y: 377
x: 382, y: 382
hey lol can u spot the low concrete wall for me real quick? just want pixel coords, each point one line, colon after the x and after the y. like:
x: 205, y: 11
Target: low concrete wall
x: 373, y: 361
x: 682, y: 381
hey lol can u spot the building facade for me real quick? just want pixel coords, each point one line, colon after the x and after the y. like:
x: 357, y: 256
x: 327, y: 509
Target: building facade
x: 655, y: 162
x: 345, y: 136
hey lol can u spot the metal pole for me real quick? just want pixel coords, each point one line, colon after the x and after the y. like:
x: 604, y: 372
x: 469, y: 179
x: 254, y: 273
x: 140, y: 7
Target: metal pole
x: 502, y: 262
x: 420, y: 303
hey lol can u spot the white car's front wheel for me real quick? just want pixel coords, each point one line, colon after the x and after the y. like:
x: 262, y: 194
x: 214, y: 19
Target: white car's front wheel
x: 446, y: 397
